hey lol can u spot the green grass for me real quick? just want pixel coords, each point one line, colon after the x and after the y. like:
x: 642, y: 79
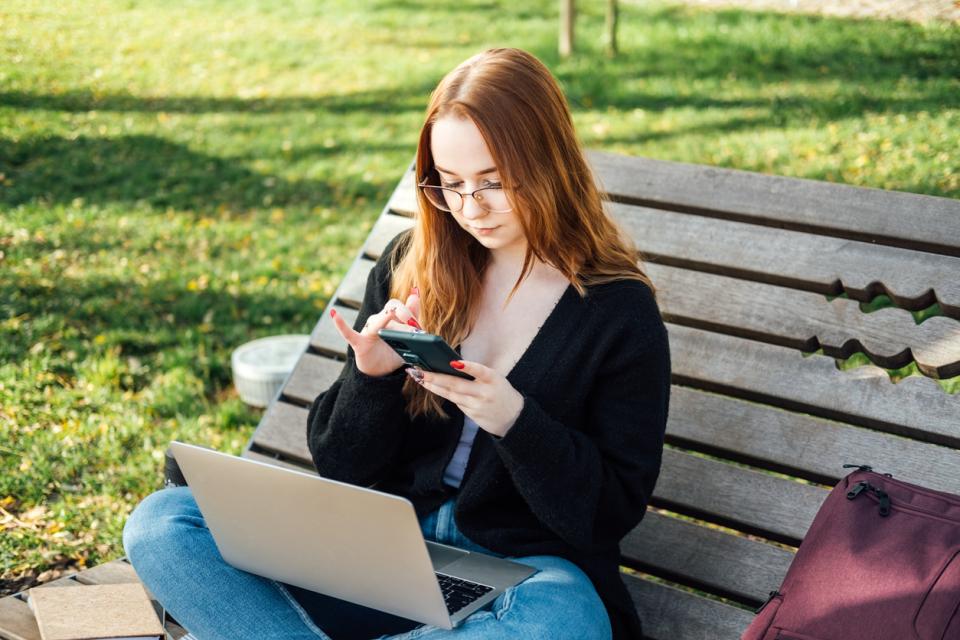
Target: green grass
x: 177, y: 180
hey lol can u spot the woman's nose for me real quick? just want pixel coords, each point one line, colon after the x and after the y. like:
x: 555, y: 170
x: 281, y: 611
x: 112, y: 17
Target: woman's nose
x: 471, y: 209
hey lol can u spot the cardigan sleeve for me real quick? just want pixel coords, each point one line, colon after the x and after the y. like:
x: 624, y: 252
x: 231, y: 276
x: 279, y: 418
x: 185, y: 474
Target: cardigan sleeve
x: 355, y: 428
x: 591, y: 485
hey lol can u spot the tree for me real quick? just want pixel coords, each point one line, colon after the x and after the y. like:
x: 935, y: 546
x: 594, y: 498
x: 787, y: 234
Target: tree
x: 566, y: 27
x: 613, y: 17
x: 567, y: 18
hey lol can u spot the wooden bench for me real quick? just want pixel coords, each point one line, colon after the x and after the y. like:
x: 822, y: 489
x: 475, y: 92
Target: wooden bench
x: 749, y: 269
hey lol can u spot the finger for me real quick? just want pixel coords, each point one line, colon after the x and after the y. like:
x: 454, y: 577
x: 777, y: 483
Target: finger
x: 475, y: 369
x: 344, y: 329
x: 458, y: 385
x: 396, y: 326
x: 378, y: 321
x: 403, y: 314
x: 413, y: 302
x: 456, y: 397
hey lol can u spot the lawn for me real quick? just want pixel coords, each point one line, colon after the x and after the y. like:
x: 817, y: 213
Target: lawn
x: 177, y: 180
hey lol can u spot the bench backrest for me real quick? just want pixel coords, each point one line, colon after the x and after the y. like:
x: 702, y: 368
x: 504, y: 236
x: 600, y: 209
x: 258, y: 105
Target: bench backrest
x: 761, y: 281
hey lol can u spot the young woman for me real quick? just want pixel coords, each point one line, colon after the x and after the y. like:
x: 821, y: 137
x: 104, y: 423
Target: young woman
x: 548, y: 456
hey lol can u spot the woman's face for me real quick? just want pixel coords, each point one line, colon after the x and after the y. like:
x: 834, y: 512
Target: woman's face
x: 464, y: 163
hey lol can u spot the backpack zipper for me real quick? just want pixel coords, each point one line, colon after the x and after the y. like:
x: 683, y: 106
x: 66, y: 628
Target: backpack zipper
x: 882, y: 495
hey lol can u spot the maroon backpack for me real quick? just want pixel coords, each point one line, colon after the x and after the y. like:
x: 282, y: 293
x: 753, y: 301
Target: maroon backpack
x: 881, y: 561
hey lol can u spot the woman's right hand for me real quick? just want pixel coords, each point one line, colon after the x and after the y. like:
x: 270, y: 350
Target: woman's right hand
x: 374, y: 357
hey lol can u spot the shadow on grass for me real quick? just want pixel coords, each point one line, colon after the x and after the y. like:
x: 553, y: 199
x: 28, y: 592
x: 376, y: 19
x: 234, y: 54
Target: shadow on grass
x: 161, y: 317
x: 865, y: 60
x: 149, y: 170
x: 404, y: 97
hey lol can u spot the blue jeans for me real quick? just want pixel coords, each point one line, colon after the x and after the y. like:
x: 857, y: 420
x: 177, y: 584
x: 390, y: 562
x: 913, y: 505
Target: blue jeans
x: 167, y: 541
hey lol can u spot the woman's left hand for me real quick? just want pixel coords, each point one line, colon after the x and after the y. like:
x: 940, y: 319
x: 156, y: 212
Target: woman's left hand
x: 489, y: 399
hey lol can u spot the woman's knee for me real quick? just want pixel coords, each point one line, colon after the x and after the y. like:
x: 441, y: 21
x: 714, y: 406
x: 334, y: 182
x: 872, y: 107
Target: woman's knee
x: 155, y: 520
x: 560, y: 596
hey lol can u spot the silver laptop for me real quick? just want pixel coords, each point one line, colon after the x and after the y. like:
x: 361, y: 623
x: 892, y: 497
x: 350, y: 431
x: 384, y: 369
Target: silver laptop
x: 338, y: 539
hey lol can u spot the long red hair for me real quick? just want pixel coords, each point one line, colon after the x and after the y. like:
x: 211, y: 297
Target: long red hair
x: 525, y: 121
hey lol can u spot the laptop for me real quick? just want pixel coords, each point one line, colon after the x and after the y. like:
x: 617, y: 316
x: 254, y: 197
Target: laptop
x: 345, y: 541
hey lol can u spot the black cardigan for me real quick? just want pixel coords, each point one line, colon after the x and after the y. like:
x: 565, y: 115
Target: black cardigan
x: 575, y: 472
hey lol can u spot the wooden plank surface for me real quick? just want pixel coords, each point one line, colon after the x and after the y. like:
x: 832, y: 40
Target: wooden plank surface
x: 311, y: 375
x: 283, y: 430
x: 385, y: 230
x: 669, y: 613
x: 17, y: 621
x: 746, y: 499
x: 354, y: 284
x: 404, y: 197
x: 795, y: 259
x: 806, y: 320
x: 115, y: 572
x: 915, y: 406
x: 903, y: 219
x: 326, y: 339
x: 716, y: 561
x: 277, y: 462
x: 801, y: 444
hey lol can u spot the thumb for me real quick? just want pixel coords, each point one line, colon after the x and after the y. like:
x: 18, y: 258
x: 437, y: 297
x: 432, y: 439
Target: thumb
x: 413, y: 302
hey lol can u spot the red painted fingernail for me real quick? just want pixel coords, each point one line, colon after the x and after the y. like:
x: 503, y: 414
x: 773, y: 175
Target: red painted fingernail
x: 415, y: 291
x: 333, y: 313
x: 457, y: 364
x: 413, y: 323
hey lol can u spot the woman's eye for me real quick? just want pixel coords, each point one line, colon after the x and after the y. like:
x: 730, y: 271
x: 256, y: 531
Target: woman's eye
x: 494, y: 185
x: 450, y: 185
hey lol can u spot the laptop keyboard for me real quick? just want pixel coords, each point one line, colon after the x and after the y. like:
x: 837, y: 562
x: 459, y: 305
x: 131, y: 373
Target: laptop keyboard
x: 458, y: 593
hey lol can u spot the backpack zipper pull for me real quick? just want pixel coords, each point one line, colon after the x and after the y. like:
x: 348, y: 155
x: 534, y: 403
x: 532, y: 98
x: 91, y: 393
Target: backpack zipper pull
x: 884, y: 502
x: 857, y: 490
x: 773, y: 594
x: 862, y: 467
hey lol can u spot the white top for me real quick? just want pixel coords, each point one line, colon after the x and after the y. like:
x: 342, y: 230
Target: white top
x: 453, y: 474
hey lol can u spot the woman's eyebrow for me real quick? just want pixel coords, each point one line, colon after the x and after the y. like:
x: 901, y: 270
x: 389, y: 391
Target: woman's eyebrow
x: 479, y: 173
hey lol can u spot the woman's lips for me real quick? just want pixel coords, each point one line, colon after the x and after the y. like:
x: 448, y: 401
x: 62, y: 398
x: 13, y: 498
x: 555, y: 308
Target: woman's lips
x: 485, y: 230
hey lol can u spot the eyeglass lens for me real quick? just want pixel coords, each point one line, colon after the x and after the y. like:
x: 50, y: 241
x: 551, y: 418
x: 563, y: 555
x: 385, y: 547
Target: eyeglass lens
x: 493, y: 199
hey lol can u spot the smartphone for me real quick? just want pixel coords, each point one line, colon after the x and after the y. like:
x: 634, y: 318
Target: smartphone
x: 424, y: 350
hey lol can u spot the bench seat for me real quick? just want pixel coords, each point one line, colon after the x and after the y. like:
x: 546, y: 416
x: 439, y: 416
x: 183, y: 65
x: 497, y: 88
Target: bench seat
x: 762, y: 281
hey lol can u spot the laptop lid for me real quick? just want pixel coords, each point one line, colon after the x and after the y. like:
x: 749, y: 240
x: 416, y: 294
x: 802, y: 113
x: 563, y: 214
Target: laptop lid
x: 335, y: 538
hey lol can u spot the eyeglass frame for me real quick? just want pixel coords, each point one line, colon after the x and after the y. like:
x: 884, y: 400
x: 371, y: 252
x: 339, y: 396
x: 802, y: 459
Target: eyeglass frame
x: 463, y: 196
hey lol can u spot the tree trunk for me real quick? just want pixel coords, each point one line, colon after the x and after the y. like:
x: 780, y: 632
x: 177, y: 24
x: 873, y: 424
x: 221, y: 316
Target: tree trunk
x: 613, y: 16
x: 566, y: 27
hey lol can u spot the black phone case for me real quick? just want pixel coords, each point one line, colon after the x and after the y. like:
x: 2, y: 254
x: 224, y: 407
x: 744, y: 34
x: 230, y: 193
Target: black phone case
x: 424, y: 350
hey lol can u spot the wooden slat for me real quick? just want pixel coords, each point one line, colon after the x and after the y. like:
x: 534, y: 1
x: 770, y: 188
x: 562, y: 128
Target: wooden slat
x: 794, y: 259
x: 283, y: 430
x: 312, y: 375
x: 671, y: 614
x: 354, y: 284
x: 404, y: 198
x: 326, y: 339
x: 915, y: 406
x: 277, y: 462
x: 17, y: 621
x: 753, y: 501
x: 66, y: 581
x: 800, y: 443
x: 386, y: 228
x: 902, y: 219
x: 734, y: 566
x: 806, y: 320
x: 116, y: 572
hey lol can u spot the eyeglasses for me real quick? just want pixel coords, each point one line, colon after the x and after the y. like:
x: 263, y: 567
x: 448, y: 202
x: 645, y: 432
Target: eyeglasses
x: 493, y: 199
